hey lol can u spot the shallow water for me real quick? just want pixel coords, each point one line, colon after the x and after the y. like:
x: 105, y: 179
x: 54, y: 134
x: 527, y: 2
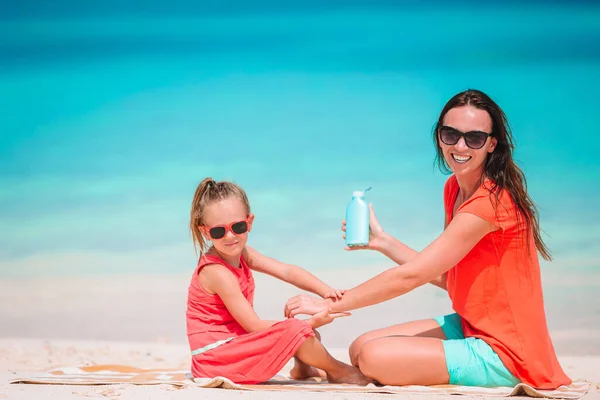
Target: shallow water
x: 112, y: 116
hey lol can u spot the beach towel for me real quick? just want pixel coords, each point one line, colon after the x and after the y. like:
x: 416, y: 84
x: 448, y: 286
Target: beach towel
x: 122, y: 374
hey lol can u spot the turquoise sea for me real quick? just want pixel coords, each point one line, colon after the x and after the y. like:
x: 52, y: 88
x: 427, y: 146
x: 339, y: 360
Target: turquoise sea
x: 112, y: 113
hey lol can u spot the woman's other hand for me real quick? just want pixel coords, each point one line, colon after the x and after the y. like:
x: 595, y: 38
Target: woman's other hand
x: 376, y: 233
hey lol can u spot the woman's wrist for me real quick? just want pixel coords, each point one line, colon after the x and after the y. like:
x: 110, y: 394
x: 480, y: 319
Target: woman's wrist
x: 330, y: 304
x: 384, y: 243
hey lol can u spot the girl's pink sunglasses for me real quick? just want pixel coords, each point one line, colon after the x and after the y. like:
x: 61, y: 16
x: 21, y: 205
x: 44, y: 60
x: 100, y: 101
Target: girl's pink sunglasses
x: 219, y: 231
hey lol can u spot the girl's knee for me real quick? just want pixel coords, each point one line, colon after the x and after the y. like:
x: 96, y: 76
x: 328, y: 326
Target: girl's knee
x: 317, y: 335
x: 295, y: 324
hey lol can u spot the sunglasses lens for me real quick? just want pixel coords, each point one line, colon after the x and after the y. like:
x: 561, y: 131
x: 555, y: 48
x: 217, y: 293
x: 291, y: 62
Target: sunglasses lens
x: 475, y: 140
x: 239, y: 227
x: 217, y: 232
x: 449, y: 136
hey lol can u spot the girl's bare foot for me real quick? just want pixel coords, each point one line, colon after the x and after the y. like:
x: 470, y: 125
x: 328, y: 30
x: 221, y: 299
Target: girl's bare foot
x: 304, y: 371
x: 348, y: 374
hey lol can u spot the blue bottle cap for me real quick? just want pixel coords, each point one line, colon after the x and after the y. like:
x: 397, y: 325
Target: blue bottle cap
x: 358, y: 193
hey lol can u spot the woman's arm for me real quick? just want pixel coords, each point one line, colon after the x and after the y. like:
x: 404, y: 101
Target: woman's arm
x: 392, y: 248
x: 400, y: 253
x: 461, y: 235
x: 289, y: 273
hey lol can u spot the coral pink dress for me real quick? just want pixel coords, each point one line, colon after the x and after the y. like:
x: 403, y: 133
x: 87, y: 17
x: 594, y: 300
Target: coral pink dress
x: 220, y: 346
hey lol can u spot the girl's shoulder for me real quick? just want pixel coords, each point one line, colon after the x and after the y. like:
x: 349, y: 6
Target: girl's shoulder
x: 207, y: 259
x: 243, y: 272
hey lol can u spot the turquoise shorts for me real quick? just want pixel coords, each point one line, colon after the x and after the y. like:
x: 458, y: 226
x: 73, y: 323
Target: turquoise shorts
x: 471, y: 361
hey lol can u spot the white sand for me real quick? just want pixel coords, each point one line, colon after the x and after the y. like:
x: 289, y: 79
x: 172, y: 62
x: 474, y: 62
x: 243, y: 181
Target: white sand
x: 140, y: 321
x: 23, y: 355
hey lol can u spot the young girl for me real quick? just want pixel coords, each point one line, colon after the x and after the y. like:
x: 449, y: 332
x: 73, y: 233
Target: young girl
x: 226, y: 336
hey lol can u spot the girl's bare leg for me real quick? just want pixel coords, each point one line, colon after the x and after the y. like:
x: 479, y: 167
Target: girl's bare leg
x: 421, y: 328
x: 312, y: 353
x: 302, y: 370
x: 404, y: 360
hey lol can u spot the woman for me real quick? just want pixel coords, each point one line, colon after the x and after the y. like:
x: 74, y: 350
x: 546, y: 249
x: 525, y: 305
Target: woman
x: 486, y: 258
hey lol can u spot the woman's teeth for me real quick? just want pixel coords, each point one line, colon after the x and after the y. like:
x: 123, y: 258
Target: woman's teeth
x: 461, y: 159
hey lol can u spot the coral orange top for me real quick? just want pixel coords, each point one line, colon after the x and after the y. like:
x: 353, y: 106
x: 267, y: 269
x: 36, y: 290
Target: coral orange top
x: 497, y: 291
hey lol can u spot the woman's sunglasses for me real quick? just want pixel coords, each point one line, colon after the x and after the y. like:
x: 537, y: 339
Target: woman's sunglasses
x: 219, y: 232
x: 473, y: 139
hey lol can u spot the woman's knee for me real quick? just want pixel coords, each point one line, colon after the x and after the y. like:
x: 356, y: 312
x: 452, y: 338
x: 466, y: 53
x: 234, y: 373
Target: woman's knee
x: 353, y: 352
x: 404, y: 360
x: 369, y: 357
x: 356, y: 347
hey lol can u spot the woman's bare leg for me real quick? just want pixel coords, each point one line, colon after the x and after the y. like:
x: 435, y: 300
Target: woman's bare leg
x: 420, y: 328
x: 312, y: 353
x: 404, y: 360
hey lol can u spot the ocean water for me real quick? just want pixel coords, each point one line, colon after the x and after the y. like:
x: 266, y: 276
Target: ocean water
x: 113, y: 112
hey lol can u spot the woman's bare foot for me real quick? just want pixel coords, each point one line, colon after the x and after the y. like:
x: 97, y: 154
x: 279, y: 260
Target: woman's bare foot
x: 348, y: 374
x: 304, y: 371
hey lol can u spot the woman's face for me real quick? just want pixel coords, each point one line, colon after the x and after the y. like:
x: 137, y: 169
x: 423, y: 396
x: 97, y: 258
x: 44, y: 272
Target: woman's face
x: 464, y: 139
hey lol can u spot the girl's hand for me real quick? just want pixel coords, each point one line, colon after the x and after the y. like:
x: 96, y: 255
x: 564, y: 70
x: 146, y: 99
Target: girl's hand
x: 376, y: 233
x: 334, y: 294
x: 324, y: 318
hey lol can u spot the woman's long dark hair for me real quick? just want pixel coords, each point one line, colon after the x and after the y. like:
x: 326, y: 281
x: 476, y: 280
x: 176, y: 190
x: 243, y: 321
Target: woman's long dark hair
x: 499, y: 166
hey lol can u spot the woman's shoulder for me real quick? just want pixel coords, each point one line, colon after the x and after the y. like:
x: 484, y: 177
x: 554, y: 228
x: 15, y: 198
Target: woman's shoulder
x: 450, y: 191
x: 451, y: 182
x: 497, y: 195
x: 492, y: 203
x: 451, y: 185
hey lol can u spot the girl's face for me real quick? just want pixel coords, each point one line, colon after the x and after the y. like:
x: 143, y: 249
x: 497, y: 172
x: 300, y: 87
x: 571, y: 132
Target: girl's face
x: 226, y: 225
x: 465, y: 139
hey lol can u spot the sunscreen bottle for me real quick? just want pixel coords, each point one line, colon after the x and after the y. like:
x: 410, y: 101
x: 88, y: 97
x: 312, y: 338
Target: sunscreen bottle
x: 357, y: 220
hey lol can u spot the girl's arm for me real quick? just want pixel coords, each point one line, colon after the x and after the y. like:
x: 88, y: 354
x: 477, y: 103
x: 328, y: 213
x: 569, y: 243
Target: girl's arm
x: 217, y: 279
x: 289, y: 273
x: 461, y: 235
